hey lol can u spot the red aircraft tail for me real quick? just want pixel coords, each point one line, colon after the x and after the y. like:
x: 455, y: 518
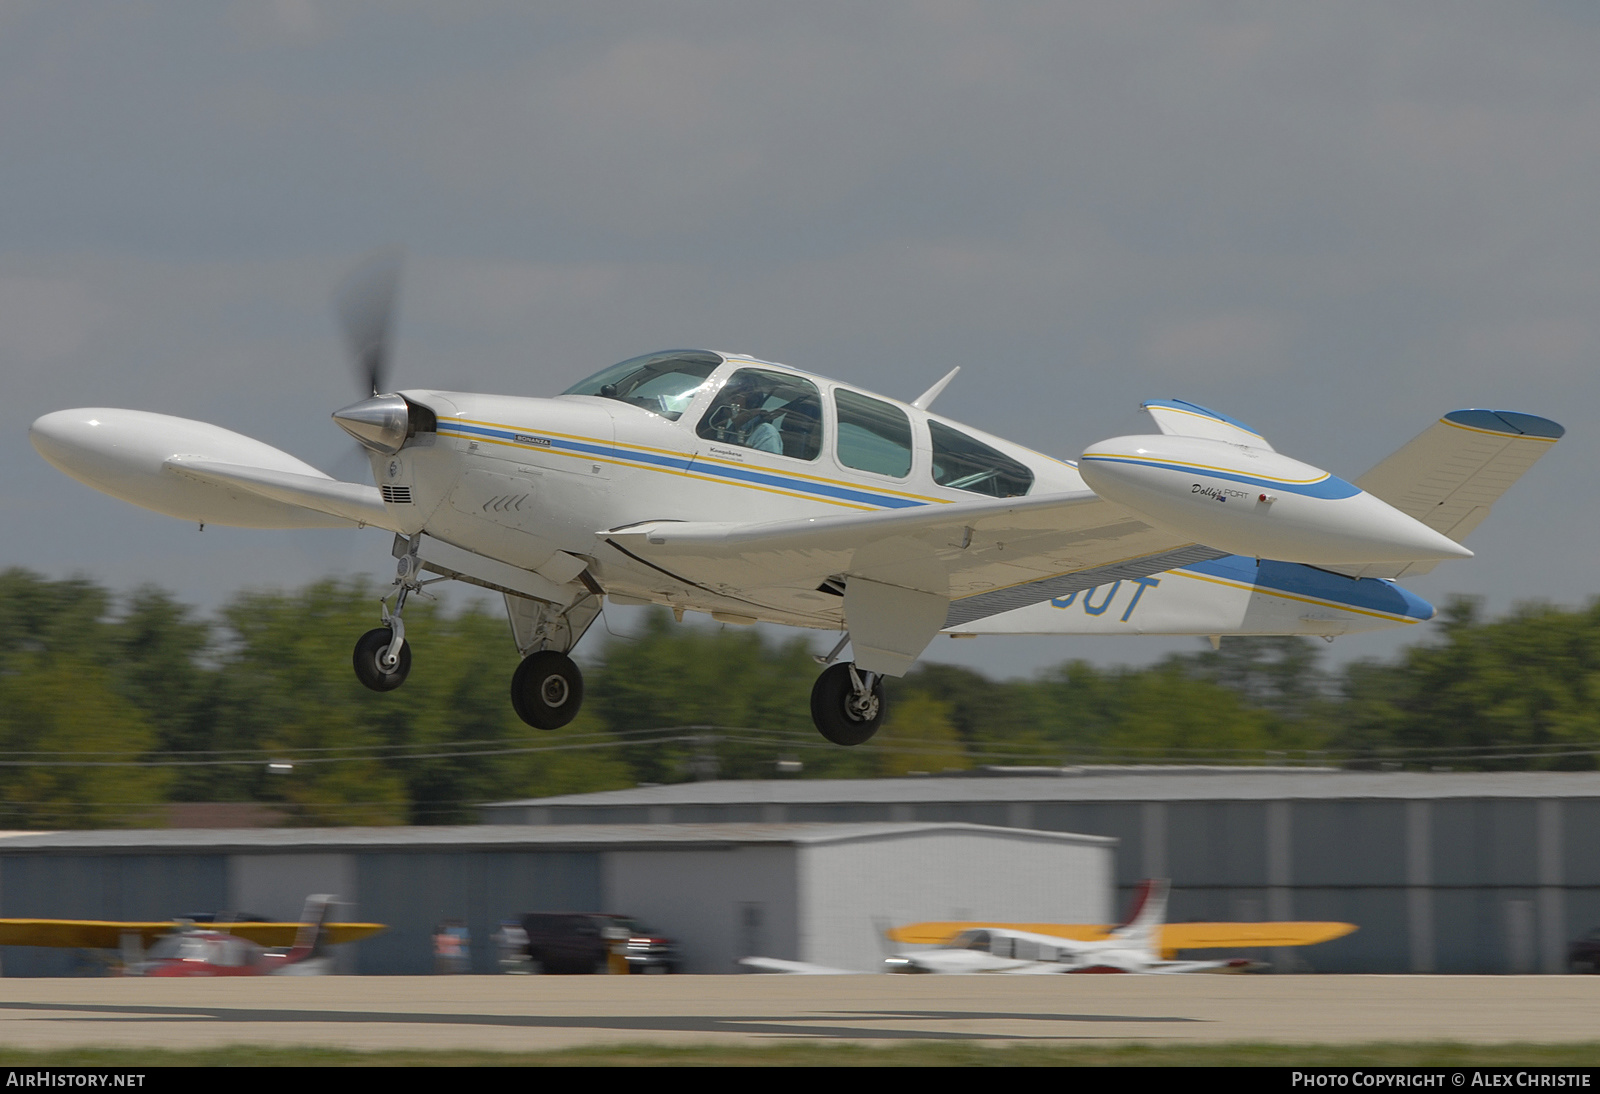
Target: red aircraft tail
x: 1146, y: 917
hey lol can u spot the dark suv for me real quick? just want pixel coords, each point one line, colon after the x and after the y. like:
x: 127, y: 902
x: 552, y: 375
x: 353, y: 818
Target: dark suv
x: 1584, y: 955
x: 572, y: 942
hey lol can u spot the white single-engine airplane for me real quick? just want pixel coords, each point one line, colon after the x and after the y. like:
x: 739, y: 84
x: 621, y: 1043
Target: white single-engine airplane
x: 1132, y: 947
x: 719, y: 483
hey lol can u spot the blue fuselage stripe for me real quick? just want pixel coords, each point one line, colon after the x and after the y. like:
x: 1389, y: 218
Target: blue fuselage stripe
x: 1330, y: 487
x: 751, y: 475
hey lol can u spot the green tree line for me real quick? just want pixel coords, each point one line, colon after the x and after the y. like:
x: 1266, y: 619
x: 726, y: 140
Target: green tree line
x: 111, y: 707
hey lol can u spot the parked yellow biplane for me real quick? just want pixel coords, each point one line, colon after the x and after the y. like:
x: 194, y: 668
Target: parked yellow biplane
x: 197, y: 946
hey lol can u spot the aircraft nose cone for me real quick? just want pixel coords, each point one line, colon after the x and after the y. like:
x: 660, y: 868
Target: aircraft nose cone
x: 379, y: 423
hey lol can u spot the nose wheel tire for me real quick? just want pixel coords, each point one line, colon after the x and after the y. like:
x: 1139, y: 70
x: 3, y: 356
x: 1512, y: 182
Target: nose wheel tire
x: 368, y: 660
x: 842, y: 714
x: 547, y: 690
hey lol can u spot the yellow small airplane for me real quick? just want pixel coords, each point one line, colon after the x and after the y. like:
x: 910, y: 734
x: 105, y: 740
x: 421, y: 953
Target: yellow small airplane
x: 100, y: 934
x: 202, y: 945
x: 1172, y: 938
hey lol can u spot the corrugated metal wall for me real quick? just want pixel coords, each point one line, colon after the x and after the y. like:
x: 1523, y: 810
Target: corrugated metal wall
x: 414, y: 891
x: 89, y: 886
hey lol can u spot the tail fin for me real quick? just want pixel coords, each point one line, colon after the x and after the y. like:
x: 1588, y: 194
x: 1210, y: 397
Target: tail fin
x: 1453, y: 471
x: 1146, y: 918
x: 308, y: 939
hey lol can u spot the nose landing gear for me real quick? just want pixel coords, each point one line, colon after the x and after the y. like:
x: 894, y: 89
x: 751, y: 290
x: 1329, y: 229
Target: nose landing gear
x: 847, y: 704
x: 374, y: 666
x: 382, y: 656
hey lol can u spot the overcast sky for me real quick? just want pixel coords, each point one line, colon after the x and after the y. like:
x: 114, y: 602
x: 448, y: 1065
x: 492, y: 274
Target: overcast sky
x: 1334, y: 221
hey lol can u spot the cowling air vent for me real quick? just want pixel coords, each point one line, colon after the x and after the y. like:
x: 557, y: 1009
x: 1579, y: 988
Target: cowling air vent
x: 396, y: 495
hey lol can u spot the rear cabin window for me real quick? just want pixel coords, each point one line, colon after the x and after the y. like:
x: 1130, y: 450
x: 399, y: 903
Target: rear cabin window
x: 873, y: 435
x: 767, y: 411
x: 962, y: 463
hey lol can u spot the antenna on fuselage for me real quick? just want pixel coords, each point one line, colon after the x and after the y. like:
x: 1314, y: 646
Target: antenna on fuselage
x: 925, y: 400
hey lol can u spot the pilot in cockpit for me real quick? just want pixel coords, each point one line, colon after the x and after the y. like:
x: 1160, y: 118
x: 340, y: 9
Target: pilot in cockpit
x: 739, y: 415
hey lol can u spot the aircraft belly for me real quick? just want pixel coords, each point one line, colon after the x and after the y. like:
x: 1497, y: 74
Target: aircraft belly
x: 628, y: 580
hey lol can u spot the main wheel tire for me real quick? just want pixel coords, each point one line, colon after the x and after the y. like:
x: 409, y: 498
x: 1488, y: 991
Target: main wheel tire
x: 840, y: 715
x: 547, y: 690
x: 368, y: 662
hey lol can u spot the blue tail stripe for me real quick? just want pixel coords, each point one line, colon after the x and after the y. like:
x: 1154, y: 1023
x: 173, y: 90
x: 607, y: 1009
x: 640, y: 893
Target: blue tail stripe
x: 1373, y: 594
x: 1507, y: 421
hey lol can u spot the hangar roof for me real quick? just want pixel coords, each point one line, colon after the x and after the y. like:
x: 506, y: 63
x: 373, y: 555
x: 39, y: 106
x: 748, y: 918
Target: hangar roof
x: 1089, y: 784
x: 587, y: 837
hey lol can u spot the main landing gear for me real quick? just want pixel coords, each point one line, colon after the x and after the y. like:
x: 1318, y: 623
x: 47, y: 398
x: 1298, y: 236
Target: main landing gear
x: 547, y: 689
x: 847, y: 704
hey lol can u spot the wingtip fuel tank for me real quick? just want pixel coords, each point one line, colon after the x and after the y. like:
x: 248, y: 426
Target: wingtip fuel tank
x: 1256, y: 502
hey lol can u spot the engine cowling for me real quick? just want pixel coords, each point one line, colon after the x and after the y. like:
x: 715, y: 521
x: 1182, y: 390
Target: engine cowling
x: 1256, y: 502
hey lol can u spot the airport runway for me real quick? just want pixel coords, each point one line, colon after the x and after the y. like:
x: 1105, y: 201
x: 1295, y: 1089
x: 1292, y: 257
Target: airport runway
x: 533, y: 1013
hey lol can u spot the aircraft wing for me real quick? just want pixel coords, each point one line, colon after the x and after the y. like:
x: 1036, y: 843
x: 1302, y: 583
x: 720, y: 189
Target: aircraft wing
x: 283, y: 934
x: 78, y: 934
x: 985, y: 556
x: 1203, y: 936
x: 350, y: 501
x: 937, y: 933
x: 799, y: 968
x: 1237, y: 966
x: 1174, y: 936
x: 98, y: 934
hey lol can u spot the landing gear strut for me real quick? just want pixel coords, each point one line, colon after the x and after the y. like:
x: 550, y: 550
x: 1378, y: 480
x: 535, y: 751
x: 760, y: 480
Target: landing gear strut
x: 547, y: 690
x: 383, y: 656
x: 847, y: 704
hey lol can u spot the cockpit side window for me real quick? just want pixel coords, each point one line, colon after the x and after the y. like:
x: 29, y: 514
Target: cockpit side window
x: 873, y: 435
x: 663, y: 383
x: 963, y: 463
x: 767, y: 411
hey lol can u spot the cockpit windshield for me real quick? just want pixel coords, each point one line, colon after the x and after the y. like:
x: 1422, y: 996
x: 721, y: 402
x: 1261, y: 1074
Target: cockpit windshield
x: 662, y: 383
